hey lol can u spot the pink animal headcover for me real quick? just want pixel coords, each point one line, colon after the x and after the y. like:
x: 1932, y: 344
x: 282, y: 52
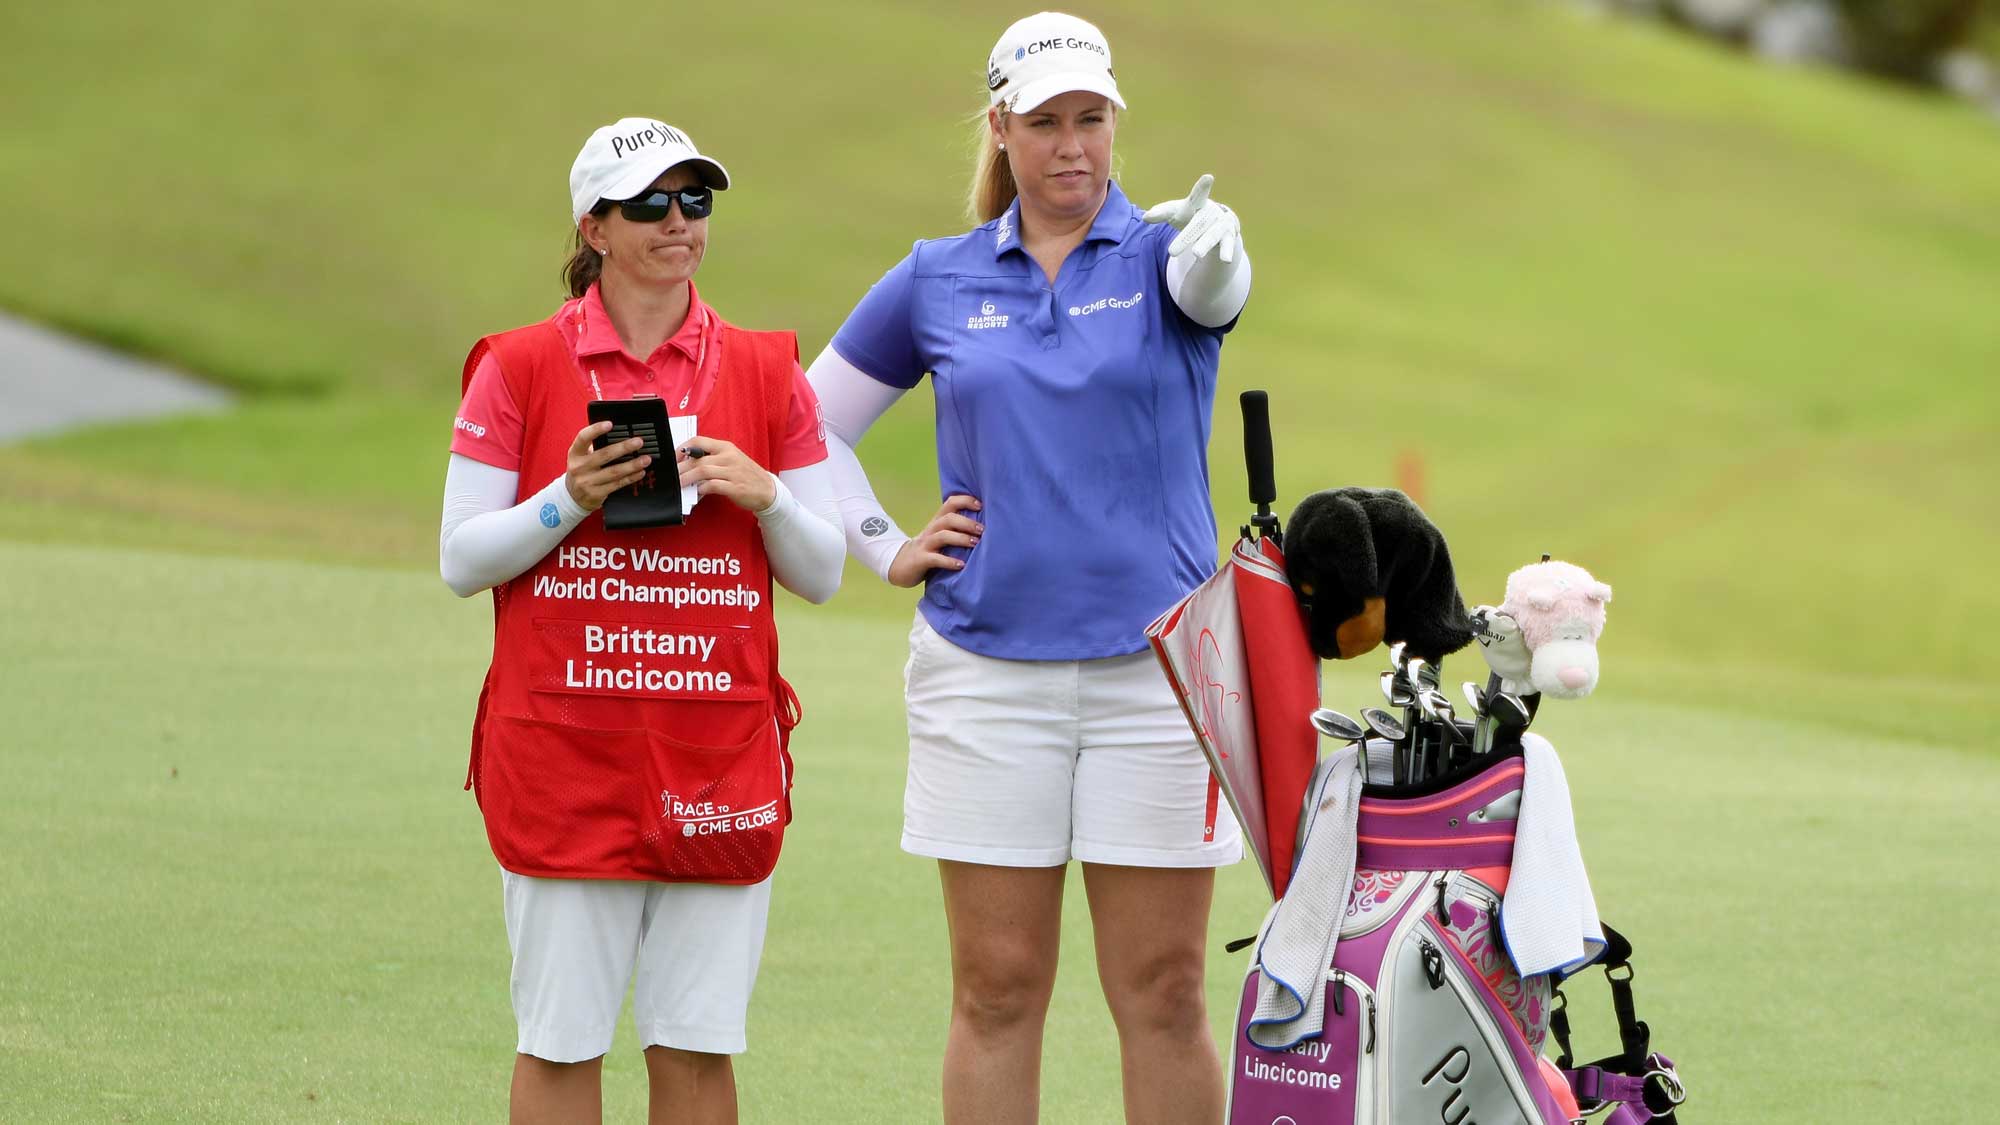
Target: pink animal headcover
x: 1560, y: 610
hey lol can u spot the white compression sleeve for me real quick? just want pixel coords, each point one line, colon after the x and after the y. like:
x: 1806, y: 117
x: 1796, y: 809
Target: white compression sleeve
x: 802, y: 533
x: 1210, y: 291
x: 852, y: 401
x: 871, y: 535
x: 485, y: 538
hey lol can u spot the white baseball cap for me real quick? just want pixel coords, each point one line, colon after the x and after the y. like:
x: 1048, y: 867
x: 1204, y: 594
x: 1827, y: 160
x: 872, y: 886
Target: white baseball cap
x: 1046, y: 54
x: 621, y: 159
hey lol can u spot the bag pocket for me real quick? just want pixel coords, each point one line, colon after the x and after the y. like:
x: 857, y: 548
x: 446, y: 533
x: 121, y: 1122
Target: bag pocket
x: 716, y: 815
x: 1474, y: 928
x: 1326, y: 1079
x: 1454, y: 1051
x: 561, y: 801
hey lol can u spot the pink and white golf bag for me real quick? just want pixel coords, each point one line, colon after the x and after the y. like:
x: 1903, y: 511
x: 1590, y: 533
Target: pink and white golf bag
x: 1419, y: 1013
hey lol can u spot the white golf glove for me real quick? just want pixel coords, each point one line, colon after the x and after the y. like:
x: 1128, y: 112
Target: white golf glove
x: 1203, y: 223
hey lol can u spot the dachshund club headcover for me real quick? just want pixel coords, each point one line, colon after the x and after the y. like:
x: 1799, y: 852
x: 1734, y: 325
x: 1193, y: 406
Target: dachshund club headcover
x: 1370, y: 567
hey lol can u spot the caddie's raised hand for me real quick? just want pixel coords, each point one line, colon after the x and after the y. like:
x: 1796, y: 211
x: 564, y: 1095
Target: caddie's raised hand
x: 1203, y: 223
x: 717, y: 468
x: 592, y: 476
x: 951, y: 527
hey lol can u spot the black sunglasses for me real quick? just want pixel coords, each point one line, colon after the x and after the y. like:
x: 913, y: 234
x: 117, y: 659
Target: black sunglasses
x: 696, y: 203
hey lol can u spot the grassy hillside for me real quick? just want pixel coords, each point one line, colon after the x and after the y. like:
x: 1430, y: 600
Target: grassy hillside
x: 1723, y: 333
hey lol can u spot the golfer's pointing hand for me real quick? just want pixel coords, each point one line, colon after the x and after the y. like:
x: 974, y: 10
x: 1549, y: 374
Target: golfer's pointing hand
x: 1203, y: 223
x: 951, y: 527
x: 591, y: 476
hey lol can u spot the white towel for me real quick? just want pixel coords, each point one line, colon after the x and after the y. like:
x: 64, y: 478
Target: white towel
x: 1298, y: 940
x: 1548, y: 917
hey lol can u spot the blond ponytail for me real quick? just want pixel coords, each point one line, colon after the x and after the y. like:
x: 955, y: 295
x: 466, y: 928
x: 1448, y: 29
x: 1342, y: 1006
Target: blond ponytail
x: 993, y: 189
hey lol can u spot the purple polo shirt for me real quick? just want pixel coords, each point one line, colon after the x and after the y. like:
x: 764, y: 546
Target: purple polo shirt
x: 1077, y: 413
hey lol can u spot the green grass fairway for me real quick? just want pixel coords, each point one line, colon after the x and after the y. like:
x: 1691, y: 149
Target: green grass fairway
x: 243, y: 885
x: 1725, y: 334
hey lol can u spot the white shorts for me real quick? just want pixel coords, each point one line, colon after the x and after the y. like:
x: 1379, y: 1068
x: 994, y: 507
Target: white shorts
x: 689, y: 951
x: 1032, y: 763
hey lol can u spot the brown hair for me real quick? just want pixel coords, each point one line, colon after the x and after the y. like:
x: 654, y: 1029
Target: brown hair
x: 585, y: 263
x: 993, y: 187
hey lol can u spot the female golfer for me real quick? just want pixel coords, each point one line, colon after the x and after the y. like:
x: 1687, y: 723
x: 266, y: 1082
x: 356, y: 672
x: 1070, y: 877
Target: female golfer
x: 629, y: 749
x: 1072, y: 349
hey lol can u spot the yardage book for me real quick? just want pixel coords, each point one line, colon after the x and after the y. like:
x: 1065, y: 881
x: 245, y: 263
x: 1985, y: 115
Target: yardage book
x: 653, y: 501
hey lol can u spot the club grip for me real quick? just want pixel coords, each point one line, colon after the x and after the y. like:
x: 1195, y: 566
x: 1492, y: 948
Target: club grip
x: 1257, y: 446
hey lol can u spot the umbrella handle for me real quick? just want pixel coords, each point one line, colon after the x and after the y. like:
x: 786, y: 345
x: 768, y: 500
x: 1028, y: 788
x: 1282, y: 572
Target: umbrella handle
x: 1257, y: 459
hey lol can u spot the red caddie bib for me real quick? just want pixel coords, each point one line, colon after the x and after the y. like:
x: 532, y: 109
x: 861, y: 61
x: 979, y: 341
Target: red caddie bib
x: 633, y: 724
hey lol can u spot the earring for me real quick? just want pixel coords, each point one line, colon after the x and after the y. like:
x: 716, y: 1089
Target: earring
x: 1003, y: 146
x: 604, y: 251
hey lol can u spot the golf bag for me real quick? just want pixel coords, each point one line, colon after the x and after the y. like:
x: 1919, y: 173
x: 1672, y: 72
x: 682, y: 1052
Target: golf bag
x: 1387, y: 986
x: 1425, y: 1017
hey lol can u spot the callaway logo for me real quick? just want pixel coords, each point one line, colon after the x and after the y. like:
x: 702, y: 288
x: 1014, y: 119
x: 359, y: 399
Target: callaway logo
x: 987, y: 318
x: 659, y: 133
x: 468, y: 427
x: 873, y: 526
x: 1005, y: 230
x: 1103, y: 303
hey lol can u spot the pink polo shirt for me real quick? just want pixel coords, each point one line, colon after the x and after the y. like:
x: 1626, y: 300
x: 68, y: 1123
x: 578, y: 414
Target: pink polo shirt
x: 489, y: 427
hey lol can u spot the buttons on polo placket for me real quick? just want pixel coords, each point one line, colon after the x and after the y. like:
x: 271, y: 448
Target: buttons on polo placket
x: 1045, y: 319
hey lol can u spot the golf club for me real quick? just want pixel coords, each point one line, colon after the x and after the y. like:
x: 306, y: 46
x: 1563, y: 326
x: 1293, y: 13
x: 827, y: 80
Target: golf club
x: 1383, y: 723
x: 1510, y: 716
x: 1333, y: 724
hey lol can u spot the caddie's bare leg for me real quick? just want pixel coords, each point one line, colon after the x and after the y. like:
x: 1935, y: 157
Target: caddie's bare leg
x: 552, y: 1093
x: 689, y: 1088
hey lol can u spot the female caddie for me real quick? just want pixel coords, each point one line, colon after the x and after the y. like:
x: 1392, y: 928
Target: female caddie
x: 1072, y: 349
x: 629, y: 750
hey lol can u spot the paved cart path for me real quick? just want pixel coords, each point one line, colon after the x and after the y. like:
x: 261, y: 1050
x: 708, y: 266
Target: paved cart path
x: 51, y: 382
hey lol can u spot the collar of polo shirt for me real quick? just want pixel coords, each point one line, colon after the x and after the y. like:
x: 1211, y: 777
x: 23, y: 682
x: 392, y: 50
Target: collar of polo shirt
x: 1113, y: 222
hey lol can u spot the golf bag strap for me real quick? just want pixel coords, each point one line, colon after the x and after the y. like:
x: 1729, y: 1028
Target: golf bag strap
x: 1636, y: 1099
x: 1643, y: 1086
x: 1633, y: 1034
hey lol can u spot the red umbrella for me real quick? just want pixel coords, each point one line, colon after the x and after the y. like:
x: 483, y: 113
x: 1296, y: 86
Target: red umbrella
x: 1236, y: 653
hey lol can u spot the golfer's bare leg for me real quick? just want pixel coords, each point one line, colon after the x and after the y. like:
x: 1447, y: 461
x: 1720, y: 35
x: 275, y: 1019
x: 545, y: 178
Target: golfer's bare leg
x: 1151, y: 925
x: 689, y: 1088
x: 550, y: 1093
x: 1004, y: 923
